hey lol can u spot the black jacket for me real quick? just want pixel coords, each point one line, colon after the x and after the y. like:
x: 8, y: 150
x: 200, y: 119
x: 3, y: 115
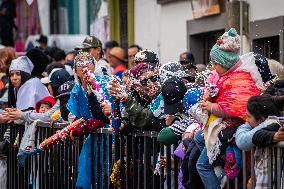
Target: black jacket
x: 95, y: 108
x: 264, y: 137
x: 191, y: 178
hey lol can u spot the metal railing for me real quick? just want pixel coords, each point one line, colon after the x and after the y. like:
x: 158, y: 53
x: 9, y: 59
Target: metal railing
x: 50, y: 169
x: 138, y: 153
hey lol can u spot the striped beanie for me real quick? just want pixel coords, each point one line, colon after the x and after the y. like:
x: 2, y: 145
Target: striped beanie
x: 180, y: 125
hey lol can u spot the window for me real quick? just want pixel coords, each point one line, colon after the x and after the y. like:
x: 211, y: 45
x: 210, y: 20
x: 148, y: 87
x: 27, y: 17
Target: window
x: 201, y: 44
x: 268, y: 47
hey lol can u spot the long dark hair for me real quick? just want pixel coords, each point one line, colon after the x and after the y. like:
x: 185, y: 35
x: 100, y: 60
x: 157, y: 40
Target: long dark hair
x: 11, y: 94
x: 260, y: 107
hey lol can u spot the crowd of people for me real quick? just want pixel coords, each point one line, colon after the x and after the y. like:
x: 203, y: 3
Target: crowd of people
x: 234, y: 103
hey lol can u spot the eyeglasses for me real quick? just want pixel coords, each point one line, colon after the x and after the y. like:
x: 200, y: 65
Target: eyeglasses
x: 145, y: 81
x: 81, y: 63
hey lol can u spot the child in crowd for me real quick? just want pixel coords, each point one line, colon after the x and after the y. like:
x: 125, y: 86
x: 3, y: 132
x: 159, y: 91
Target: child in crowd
x: 45, y: 104
x: 261, y: 131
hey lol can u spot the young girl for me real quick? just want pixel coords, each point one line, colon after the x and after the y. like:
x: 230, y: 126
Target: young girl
x: 260, y: 131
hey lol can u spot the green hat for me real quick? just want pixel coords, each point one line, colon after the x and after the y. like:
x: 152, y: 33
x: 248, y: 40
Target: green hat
x: 167, y: 136
x: 226, y: 51
x: 90, y: 42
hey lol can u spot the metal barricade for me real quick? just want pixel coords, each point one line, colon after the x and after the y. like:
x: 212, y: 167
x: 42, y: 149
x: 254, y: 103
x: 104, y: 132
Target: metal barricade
x: 138, y: 152
x: 50, y: 169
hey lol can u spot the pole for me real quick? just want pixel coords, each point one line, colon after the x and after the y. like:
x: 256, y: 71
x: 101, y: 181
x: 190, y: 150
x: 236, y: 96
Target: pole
x: 241, y: 25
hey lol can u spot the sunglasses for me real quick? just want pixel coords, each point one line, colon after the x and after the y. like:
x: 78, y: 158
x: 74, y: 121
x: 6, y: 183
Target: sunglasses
x: 145, y: 81
x: 81, y: 63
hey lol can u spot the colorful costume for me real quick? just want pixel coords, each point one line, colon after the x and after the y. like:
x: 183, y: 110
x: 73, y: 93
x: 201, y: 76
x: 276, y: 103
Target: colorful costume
x: 78, y: 105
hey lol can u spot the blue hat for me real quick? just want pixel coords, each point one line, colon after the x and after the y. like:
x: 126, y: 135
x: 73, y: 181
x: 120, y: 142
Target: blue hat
x: 186, y: 57
x: 191, y: 97
x: 57, y: 77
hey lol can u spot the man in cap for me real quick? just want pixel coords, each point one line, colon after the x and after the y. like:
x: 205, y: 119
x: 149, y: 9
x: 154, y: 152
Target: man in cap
x: 64, y: 91
x: 108, y: 46
x: 93, y: 45
x: 173, y: 92
x: 186, y: 59
x: 42, y: 41
x: 56, y: 78
x: 117, y: 61
x: 144, y: 88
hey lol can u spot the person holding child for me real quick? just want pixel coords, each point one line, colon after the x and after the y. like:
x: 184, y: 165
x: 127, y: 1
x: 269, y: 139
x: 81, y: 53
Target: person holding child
x: 227, y: 110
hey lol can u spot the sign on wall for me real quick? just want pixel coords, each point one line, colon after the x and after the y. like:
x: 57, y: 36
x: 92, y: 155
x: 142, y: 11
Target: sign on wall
x: 202, y: 8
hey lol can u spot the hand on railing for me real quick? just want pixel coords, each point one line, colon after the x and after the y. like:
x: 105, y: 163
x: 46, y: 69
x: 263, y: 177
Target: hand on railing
x: 279, y: 135
x: 3, y: 118
x: 10, y: 114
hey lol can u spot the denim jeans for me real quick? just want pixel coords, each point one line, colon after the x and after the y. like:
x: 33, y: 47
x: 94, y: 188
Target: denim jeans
x: 205, y: 169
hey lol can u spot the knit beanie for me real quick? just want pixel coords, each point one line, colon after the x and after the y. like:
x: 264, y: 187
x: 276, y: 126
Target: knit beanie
x: 167, y: 136
x: 226, y: 50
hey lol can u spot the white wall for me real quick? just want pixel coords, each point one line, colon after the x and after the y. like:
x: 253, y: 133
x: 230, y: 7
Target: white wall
x: 173, y: 37
x: 83, y: 16
x: 146, y: 24
x: 44, y: 15
x: 263, y: 9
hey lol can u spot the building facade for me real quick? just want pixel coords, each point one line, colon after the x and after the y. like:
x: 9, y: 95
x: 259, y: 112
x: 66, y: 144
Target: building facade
x: 178, y: 29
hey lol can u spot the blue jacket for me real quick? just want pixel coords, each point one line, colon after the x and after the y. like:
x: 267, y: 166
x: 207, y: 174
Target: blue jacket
x: 245, y: 134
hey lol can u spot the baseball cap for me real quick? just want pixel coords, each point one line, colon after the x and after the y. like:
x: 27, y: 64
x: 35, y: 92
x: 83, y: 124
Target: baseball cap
x: 65, y: 88
x: 186, y: 57
x: 42, y: 38
x: 57, y: 77
x: 90, y: 42
x: 148, y: 57
x: 173, y: 92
